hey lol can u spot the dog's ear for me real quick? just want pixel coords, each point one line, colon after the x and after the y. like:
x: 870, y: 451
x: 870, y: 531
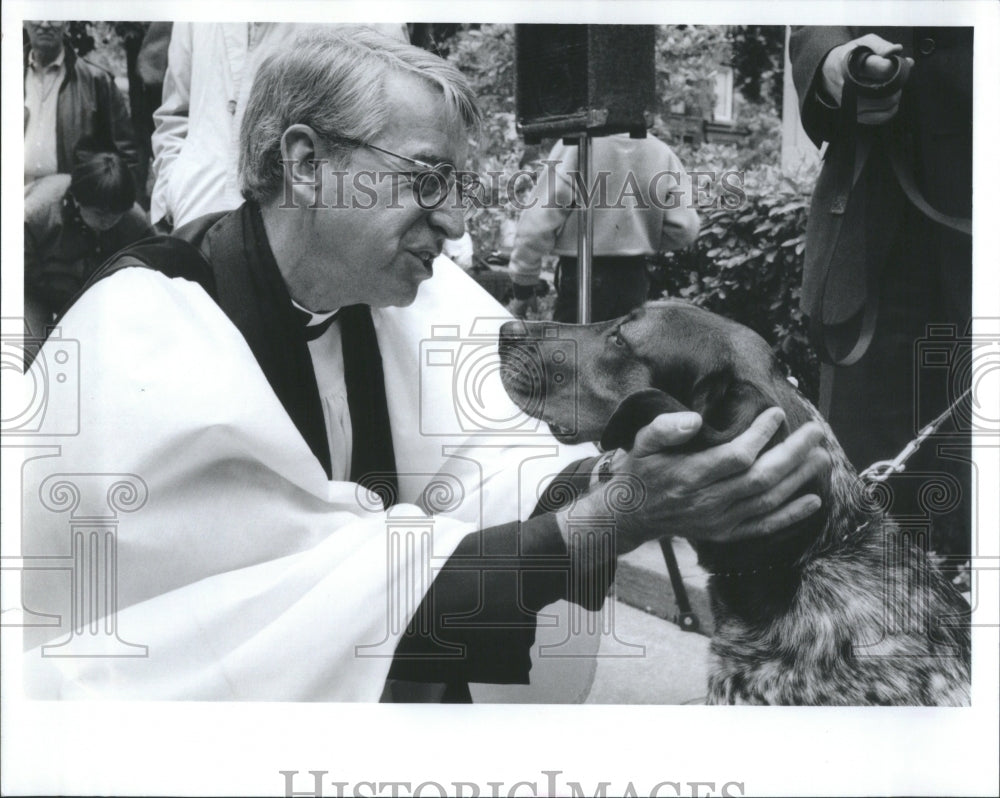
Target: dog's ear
x: 633, y: 413
x: 728, y: 407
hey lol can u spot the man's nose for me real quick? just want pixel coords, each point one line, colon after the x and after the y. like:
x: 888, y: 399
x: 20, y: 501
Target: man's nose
x: 449, y: 218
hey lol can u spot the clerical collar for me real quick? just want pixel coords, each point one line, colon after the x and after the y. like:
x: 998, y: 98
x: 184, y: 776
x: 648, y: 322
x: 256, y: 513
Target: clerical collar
x: 314, y: 324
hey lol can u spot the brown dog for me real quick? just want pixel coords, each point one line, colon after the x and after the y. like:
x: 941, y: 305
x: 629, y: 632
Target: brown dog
x: 842, y: 609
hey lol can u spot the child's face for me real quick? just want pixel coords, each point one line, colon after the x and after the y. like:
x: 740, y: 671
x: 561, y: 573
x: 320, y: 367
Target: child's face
x: 99, y: 219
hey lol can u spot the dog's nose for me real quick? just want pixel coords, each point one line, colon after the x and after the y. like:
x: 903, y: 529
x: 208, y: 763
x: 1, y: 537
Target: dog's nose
x: 513, y: 332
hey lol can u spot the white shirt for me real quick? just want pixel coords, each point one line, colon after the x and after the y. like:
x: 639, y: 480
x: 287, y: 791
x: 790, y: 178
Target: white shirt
x: 41, y: 101
x: 328, y: 364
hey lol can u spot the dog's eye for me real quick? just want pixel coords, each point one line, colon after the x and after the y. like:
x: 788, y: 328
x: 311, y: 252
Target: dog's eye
x: 618, y: 340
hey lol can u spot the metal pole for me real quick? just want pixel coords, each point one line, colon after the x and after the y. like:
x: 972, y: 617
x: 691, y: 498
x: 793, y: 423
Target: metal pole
x: 585, y: 234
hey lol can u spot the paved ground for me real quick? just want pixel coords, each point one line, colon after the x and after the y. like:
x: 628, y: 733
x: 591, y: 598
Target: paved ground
x: 671, y: 670
x: 642, y: 581
x: 631, y: 653
x: 620, y: 656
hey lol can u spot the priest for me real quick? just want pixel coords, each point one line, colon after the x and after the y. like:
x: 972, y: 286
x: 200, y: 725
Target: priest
x: 292, y: 473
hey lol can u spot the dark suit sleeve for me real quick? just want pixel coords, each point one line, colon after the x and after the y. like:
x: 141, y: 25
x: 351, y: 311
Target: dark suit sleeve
x: 807, y: 47
x: 477, y: 622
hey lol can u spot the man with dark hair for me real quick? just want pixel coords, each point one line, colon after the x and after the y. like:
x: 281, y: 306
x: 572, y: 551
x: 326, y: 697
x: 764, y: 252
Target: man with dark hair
x: 72, y: 223
x: 320, y: 509
x: 72, y: 107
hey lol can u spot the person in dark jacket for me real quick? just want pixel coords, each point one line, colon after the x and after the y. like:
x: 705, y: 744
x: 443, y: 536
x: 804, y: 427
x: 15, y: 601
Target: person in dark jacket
x: 72, y: 224
x: 72, y: 107
x: 888, y: 269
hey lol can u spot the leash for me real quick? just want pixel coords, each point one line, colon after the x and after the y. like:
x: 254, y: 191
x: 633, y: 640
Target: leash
x: 685, y: 617
x: 857, y: 148
x: 881, y: 470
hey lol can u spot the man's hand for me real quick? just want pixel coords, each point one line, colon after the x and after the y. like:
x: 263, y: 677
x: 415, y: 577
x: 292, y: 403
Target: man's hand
x: 728, y: 492
x: 877, y: 67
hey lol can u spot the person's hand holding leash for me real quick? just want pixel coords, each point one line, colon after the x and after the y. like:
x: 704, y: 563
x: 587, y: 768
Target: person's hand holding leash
x: 878, y: 68
x: 728, y: 492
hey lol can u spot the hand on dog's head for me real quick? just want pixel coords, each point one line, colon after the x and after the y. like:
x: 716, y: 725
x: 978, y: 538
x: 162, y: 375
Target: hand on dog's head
x: 727, y: 406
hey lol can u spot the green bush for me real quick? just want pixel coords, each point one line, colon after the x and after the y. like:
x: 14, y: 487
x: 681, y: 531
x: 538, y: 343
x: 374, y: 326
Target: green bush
x: 747, y: 265
x: 104, y: 42
x: 486, y: 56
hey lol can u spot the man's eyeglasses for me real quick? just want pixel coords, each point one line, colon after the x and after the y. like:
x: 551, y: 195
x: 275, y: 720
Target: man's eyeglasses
x: 433, y: 184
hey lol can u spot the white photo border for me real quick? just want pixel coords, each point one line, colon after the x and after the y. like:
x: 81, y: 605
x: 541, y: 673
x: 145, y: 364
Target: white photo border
x: 241, y: 748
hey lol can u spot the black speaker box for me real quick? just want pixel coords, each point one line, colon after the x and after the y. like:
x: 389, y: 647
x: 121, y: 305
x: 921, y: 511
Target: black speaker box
x: 575, y: 79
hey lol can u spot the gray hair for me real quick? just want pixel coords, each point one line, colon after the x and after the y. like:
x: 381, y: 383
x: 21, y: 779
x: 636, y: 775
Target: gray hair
x: 334, y: 82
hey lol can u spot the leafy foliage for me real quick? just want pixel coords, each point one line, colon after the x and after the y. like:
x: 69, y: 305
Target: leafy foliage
x: 687, y: 57
x: 687, y: 61
x: 486, y: 55
x: 105, y: 43
x: 81, y: 39
x: 747, y: 265
x: 758, y: 59
x: 435, y: 36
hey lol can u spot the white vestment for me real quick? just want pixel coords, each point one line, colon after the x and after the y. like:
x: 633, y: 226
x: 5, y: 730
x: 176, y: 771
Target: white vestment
x: 224, y: 565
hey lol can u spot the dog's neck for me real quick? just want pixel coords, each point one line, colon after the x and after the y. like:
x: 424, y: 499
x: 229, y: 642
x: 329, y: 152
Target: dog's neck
x: 751, y: 576
x: 745, y: 559
x: 762, y: 560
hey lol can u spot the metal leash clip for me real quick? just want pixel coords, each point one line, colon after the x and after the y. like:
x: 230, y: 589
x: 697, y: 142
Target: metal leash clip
x: 881, y: 470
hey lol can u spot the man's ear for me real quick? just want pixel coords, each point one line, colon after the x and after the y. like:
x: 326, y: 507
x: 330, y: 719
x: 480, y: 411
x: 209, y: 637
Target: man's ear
x: 633, y: 413
x: 303, y: 181
x: 728, y: 407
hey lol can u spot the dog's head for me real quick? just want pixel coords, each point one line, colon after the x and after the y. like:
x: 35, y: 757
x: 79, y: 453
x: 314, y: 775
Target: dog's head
x: 663, y: 357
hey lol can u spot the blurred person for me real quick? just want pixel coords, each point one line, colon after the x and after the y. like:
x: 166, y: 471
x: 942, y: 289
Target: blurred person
x: 147, y: 64
x: 210, y: 70
x: 72, y: 107
x: 72, y: 224
x: 883, y: 259
x: 644, y: 211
